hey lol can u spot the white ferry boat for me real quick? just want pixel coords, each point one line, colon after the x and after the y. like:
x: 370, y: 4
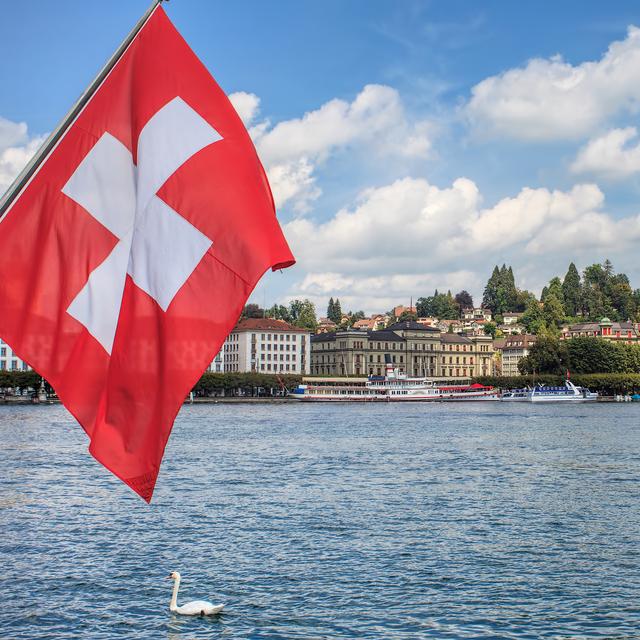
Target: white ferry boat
x: 392, y: 387
x: 567, y: 393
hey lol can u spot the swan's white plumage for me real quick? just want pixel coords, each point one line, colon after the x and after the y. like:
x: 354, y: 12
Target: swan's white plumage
x: 193, y: 608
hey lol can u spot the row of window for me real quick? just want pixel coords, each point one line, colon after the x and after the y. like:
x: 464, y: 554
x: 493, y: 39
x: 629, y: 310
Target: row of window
x: 267, y: 346
x: 343, y: 344
x: 283, y: 367
x: 283, y: 337
x: 275, y: 356
x: 13, y: 365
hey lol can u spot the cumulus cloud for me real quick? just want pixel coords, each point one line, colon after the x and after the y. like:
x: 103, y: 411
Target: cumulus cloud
x: 292, y: 150
x: 551, y: 99
x: 610, y: 156
x: 412, y: 227
x: 16, y: 149
x: 247, y: 106
x: 379, y: 292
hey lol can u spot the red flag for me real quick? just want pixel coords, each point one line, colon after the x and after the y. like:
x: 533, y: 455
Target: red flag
x: 127, y: 259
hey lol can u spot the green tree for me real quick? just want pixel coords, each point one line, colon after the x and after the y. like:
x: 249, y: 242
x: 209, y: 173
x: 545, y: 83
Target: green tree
x: 334, y: 311
x: 252, y: 310
x: 303, y: 314
x: 490, y: 295
x: 533, y: 317
x: 491, y: 329
x: 572, y: 291
x: 523, y: 299
x: 279, y: 312
x: 407, y: 316
x: 553, y: 312
x: 594, y: 355
x: 463, y: 299
x: 547, y: 355
x: 424, y: 306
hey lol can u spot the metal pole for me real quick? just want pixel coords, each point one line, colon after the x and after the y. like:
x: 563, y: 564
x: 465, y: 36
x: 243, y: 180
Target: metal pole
x: 25, y: 176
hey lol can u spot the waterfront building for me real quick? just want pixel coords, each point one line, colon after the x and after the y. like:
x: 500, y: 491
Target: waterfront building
x: 413, y: 348
x: 606, y: 329
x: 466, y: 356
x: 515, y: 348
x: 9, y: 361
x: 265, y: 345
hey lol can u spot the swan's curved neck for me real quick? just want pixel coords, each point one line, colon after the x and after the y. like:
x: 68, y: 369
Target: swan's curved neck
x: 173, y: 605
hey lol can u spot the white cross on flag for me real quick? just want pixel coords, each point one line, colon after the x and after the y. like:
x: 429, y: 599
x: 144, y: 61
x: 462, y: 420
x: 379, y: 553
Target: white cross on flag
x: 127, y: 259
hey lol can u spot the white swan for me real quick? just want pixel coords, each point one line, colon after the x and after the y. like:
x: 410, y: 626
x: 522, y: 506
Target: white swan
x: 194, y: 608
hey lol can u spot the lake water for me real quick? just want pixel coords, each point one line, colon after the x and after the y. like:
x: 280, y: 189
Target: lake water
x: 325, y: 521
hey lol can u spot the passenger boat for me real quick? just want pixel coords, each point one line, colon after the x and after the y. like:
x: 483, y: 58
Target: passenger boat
x: 567, y: 393
x: 392, y: 387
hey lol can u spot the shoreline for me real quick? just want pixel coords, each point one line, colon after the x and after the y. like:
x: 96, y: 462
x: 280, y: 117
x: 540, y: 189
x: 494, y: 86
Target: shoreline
x: 51, y: 401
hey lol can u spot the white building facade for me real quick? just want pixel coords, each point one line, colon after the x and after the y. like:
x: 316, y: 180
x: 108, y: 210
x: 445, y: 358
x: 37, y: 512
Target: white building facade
x: 9, y: 361
x: 265, y: 346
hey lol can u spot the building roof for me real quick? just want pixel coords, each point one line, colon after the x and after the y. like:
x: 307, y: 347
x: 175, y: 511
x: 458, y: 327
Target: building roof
x: 596, y: 326
x: 498, y: 344
x: 267, y: 324
x: 385, y: 335
x: 324, y: 337
x: 449, y: 338
x: 519, y: 341
x: 411, y: 325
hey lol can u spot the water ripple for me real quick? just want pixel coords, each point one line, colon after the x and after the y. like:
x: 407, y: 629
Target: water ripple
x: 399, y: 522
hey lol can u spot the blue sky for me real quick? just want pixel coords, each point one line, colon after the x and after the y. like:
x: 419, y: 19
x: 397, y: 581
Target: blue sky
x: 410, y: 145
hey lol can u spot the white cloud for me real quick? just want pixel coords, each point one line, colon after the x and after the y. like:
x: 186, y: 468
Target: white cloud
x: 610, y: 156
x: 378, y: 293
x: 16, y: 149
x: 398, y: 233
x: 292, y: 150
x: 550, y: 99
x: 247, y: 106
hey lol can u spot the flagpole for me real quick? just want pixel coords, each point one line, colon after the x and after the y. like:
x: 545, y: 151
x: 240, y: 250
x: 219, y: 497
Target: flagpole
x: 25, y: 176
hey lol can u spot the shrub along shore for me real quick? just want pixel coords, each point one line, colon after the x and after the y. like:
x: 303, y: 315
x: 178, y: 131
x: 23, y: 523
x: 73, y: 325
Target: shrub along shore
x: 607, y: 384
x: 259, y: 384
x: 210, y: 384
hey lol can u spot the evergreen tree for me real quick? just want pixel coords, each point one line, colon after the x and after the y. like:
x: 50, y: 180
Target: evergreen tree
x: 490, y: 296
x: 533, y: 317
x: 553, y: 313
x: 572, y: 291
x: 334, y: 312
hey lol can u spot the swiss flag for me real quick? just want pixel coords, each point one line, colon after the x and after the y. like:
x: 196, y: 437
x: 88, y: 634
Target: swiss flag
x: 128, y: 258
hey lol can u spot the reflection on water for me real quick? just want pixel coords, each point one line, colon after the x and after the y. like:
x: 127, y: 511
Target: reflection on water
x: 444, y: 521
